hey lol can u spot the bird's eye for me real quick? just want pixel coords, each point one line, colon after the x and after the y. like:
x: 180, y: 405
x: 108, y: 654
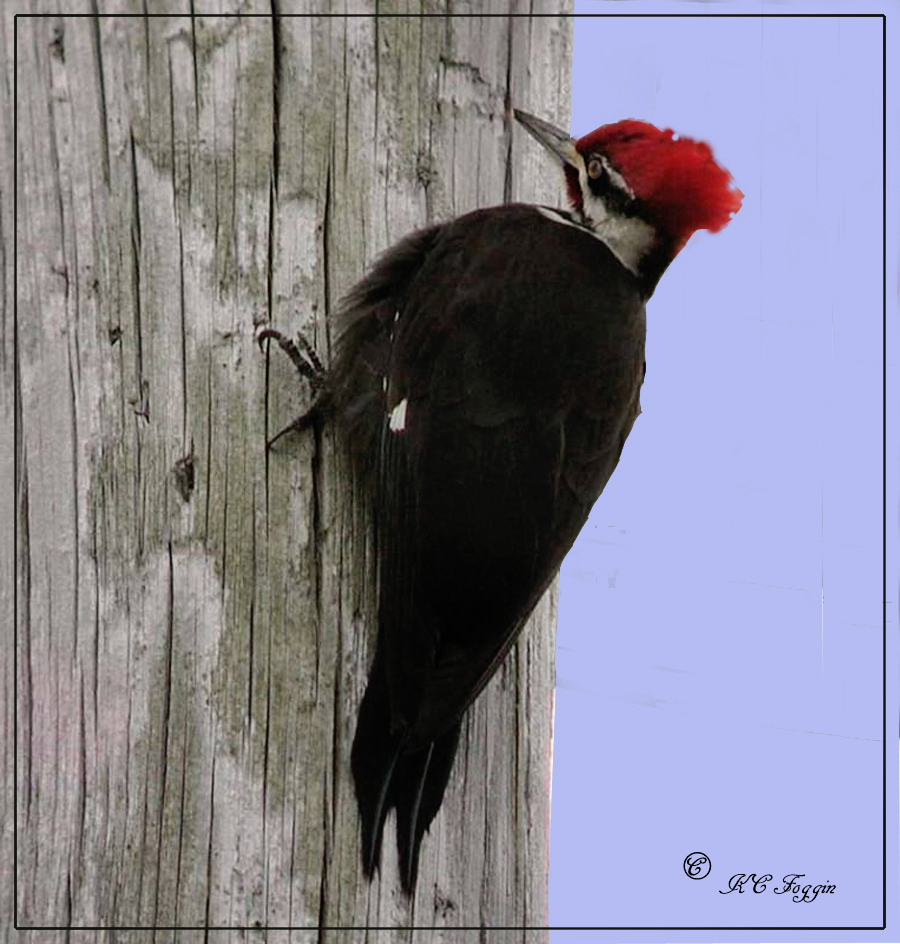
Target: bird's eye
x: 595, y: 168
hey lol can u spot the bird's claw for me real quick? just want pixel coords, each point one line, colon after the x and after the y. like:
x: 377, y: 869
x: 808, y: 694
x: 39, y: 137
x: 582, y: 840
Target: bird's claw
x: 303, y: 356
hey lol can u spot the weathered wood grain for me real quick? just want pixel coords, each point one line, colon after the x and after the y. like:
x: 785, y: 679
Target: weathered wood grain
x: 195, y: 618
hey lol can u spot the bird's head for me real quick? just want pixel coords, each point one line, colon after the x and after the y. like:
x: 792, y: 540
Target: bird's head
x: 642, y: 190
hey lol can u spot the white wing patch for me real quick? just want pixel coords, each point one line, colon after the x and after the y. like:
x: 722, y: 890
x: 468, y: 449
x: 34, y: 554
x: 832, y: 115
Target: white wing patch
x: 397, y: 421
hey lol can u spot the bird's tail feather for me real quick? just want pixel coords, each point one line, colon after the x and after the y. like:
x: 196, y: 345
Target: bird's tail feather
x: 386, y: 777
x: 373, y: 759
x: 418, y: 790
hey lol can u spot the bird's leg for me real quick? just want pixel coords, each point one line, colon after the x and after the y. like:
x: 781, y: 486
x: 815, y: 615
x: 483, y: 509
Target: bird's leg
x: 309, y: 367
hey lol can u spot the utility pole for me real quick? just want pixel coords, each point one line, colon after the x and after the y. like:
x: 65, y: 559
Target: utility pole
x: 195, y: 618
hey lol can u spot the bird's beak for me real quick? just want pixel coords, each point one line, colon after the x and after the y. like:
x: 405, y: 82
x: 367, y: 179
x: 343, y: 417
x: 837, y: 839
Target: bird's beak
x: 557, y: 142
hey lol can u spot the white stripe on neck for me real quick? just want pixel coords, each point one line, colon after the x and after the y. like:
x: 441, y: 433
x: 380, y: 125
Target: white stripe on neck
x: 629, y: 239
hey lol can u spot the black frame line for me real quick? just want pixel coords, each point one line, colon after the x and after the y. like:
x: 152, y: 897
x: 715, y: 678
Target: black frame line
x: 789, y: 928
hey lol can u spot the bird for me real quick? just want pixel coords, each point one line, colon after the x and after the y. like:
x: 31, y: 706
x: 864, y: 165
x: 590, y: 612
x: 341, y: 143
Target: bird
x: 487, y: 375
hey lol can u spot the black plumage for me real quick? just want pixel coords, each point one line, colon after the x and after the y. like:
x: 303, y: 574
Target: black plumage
x: 487, y: 376
x: 511, y: 389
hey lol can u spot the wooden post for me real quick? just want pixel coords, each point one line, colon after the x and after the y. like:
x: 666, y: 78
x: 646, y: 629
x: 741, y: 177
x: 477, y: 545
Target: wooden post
x: 195, y: 618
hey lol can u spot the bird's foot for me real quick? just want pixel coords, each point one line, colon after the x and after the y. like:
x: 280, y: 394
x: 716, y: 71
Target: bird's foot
x: 303, y: 356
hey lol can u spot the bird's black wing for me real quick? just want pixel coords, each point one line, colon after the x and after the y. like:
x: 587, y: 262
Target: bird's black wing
x: 518, y: 394
x: 507, y: 402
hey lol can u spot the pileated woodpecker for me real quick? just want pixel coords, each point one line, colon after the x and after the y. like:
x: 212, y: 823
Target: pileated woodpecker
x: 487, y: 376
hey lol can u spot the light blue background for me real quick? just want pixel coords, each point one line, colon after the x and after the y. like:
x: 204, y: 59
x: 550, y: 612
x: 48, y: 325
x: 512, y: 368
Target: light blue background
x: 719, y: 662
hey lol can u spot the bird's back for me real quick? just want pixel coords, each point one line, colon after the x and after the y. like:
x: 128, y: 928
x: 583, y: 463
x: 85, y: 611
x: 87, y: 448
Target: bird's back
x: 490, y: 399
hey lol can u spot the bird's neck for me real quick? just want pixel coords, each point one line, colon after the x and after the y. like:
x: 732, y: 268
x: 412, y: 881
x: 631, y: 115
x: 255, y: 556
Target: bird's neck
x: 642, y: 248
